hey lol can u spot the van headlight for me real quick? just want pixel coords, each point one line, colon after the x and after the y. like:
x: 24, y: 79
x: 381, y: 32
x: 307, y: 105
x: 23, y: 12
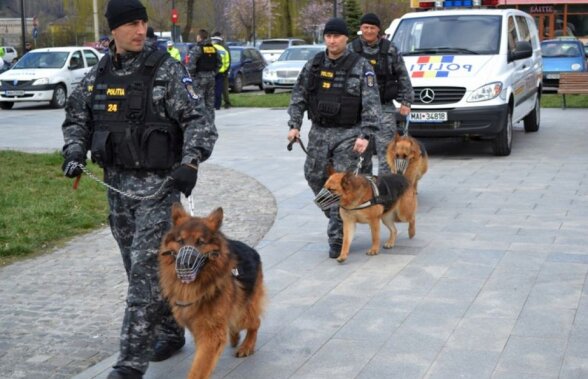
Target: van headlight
x: 41, y: 82
x: 487, y: 92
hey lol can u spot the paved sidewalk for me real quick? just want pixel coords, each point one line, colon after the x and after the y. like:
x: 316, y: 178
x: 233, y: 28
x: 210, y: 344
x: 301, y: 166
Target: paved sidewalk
x: 492, y: 286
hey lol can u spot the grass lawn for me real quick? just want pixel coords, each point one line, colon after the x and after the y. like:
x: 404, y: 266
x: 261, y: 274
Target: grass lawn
x: 572, y: 101
x: 39, y: 207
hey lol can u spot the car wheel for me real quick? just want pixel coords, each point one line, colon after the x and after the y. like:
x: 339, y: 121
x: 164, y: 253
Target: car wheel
x: 502, y: 144
x: 269, y: 90
x: 6, y: 105
x: 238, y: 84
x: 59, y: 97
x: 533, y: 119
x: 260, y: 86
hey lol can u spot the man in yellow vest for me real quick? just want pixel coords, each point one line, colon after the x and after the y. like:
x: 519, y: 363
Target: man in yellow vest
x: 173, y: 51
x: 222, y: 78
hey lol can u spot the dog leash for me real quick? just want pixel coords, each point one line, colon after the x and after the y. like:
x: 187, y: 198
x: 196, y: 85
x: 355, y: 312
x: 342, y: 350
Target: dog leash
x: 406, y: 123
x: 133, y: 196
x: 294, y: 140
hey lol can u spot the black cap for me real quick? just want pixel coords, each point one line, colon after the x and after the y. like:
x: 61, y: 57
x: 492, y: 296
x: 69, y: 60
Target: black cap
x: 370, y: 18
x: 336, y: 26
x: 120, y: 12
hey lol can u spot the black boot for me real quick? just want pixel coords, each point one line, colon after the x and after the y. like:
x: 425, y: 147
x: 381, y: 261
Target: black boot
x: 164, y: 349
x: 124, y: 372
x: 334, y: 250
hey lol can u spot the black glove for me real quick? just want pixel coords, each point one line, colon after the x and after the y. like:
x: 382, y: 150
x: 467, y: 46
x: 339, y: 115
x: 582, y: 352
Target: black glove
x: 185, y: 178
x: 71, y: 163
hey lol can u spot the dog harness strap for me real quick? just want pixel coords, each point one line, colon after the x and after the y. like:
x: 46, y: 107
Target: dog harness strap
x: 183, y: 304
x: 373, y: 200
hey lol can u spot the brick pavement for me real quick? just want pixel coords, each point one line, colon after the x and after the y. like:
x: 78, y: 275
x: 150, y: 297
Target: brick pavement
x: 492, y: 286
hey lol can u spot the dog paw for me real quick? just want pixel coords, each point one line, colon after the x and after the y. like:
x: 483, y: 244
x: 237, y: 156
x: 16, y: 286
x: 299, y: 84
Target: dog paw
x: 372, y: 252
x: 388, y: 245
x: 244, y: 352
x: 341, y: 259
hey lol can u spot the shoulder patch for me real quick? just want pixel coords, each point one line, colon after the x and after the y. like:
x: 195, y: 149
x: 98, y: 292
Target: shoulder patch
x: 188, y: 84
x: 370, y: 78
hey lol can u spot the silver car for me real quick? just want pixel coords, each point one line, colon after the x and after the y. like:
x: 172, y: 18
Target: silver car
x: 284, y: 72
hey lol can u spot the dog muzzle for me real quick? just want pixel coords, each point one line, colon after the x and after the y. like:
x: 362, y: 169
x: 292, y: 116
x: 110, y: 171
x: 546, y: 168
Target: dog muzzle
x: 401, y: 165
x: 326, y: 199
x: 189, y: 262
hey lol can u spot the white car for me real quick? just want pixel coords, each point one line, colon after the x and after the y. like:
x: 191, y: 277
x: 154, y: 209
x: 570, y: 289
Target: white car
x: 284, y: 72
x: 271, y: 49
x: 47, y: 74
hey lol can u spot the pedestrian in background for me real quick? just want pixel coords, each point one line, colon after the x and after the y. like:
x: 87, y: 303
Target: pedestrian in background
x: 203, y: 65
x: 173, y: 51
x: 217, y: 38
x: 393, y: 81
x: 151, y: 38
x: 138, y: 114
x: 338, y: 90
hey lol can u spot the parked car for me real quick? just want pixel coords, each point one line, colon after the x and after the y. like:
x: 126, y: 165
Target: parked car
x: 247, y: 64
x: 561, y: 55
x: 48, y: 74
x: 10, y: 54
x: 271, y: 49
x: 284, y: 72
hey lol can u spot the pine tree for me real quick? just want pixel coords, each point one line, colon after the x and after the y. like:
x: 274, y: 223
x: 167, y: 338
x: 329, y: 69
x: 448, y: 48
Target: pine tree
x: 352, y: 15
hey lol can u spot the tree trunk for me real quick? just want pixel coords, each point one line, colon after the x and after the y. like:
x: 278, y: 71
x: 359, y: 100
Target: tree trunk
x: 189, y: 15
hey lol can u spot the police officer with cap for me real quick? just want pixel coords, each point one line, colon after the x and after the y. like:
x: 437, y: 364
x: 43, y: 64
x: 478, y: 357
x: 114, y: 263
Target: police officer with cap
x: 338, y: 89
x: 137, y: 113
x: 393, y: 80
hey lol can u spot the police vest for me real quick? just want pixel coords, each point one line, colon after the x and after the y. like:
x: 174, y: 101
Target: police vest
x: 385, y: 76
x: 331, y: 104
x: 225, y: 58
x: 207, y: 61
x: 128, y: 133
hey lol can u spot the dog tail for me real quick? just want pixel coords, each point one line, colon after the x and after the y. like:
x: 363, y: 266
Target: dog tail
x: 391, y: 187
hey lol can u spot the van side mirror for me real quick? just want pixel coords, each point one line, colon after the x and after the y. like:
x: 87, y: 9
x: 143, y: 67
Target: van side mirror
x: 523, y: 49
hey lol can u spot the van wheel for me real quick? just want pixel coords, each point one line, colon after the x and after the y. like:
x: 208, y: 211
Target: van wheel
x: 59, y: 97
x: 238, y: 84
x: 502, y: 144
x: 6, y: 104
x: 533, y: 119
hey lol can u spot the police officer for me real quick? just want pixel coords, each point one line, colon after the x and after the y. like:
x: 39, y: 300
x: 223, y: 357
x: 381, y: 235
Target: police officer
x: 393, y: 80
x: 217, y: 39
x: 173, y: 51
x: 138, y: 114
x: 151, y: 38
x: 204, y: 63
x: 338, y: 89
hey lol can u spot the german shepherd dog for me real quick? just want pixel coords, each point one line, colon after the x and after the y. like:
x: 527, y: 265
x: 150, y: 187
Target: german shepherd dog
x: 362, y: 200
x: 214, y: 286
x: 408, y: 156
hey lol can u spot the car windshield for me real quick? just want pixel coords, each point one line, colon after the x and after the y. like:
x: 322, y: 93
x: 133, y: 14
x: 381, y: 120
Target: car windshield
x: 300, y: 54
x: 235, y: 55
x: 560, y: 49
x: 273, y: 45
x: 45, y: 59
x: 455, y: 35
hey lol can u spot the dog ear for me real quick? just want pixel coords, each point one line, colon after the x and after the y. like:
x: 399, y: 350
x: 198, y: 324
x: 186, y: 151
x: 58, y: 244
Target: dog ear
x: 216, y: 218
x: 330, y: 169
x: 346, y: 180
x: 179, y: 215
x: 415, y: 148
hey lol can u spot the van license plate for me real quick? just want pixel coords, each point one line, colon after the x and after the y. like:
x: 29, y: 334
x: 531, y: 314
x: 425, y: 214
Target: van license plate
x: 428, y: 116
x: 14, y: 93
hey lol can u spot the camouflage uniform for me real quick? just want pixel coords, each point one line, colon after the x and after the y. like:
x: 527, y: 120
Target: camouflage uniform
x: 336, y: 142
x: 204, y: 81
x: 405, y: 97
x: 138, y: 226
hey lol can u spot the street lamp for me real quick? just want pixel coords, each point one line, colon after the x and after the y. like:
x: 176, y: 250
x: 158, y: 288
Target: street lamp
x: 22, y: 25
x: 253, y: 1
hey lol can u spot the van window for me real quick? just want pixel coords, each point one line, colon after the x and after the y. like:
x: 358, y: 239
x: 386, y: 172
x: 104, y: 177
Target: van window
x: 273, y: 45
x: 524, y: 34
x: 466, y: 35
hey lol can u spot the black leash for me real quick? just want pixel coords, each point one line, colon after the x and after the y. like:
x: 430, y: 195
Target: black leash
x: 294, y: 140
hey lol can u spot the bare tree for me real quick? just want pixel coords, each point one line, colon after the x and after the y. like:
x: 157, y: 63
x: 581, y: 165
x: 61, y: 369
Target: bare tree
x: 313, y: 16
x: 240, y: 15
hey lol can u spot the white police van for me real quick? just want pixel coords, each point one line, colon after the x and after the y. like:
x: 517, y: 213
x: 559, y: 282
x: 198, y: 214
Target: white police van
x: 475, y: 72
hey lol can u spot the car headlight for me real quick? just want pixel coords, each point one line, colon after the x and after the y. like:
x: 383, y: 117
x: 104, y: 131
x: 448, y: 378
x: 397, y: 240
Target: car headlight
x: 269, y: 74
x: 41, y: 81
x: 487, y: 92
x: 576, y: 67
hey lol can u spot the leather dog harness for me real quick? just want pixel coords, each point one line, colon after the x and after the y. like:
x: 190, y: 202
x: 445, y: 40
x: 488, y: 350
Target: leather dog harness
x: 376, y: 199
